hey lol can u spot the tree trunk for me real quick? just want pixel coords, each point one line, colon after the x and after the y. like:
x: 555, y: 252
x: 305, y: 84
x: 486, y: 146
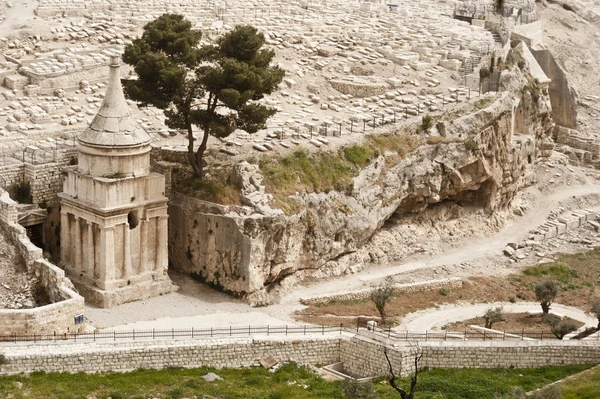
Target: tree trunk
x: 545, y: 307
x: 199, y: 156
x: 191, y: 156
x: 382, y: 315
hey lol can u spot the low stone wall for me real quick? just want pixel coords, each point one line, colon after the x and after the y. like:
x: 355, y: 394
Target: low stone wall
x: 503, y: 354
x: 362, y: 355
x: 232, y: 352
x: 365, y: 358
x: 58, y: 317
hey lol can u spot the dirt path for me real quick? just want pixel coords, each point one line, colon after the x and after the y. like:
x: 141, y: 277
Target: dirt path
x: 474, y: 249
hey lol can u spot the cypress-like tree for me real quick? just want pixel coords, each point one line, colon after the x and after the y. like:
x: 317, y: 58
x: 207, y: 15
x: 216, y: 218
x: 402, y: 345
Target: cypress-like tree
x: 213, y: 87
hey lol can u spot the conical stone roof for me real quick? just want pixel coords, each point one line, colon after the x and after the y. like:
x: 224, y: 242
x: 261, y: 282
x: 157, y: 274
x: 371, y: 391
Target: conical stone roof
x: 114, y: 126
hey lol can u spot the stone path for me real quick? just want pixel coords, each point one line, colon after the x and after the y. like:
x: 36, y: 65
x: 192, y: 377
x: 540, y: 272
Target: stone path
x: 435, y: 319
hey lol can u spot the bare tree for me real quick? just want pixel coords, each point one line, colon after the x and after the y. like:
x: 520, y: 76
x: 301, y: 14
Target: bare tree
x: 493, y: 315
x: 596, y: 311
x: 417, y: 354
x: 545, y: 293
x: 381, y: 295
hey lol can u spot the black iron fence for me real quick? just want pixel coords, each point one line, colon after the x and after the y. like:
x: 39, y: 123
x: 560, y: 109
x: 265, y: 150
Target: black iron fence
x: 174, y: 333
x: 362, y: 327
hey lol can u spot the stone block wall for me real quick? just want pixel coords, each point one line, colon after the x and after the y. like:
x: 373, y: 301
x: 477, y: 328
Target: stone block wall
x: 364, y: 358
x: 11, y: 174
x: 57, y: 317
x: 518, y: 354
x: 231, y: 352
x: 46, y: 179
x: 361, y: 355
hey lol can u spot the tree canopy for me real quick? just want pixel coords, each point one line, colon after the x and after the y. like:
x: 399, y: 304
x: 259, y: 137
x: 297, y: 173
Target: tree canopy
x: 215, y: 88
x: 545, y: 293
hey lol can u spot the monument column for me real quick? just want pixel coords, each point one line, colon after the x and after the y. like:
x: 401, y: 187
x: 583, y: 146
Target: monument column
x: 162, y: 255
x: 65, y: 231
x: 90, y: 250
x: 126, y: 252
x: 107, y: 257
x: 78, y: 264
x: 143, y: 268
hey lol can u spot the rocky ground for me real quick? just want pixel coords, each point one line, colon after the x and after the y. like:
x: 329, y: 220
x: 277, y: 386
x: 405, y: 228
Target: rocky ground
x: 18, y: 289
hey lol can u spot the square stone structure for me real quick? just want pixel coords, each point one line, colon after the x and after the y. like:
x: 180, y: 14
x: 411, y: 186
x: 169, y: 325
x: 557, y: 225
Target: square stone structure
x: 114, y: 210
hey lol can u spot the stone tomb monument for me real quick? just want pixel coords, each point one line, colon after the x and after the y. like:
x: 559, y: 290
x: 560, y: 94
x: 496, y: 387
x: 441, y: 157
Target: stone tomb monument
x: 114, y: 210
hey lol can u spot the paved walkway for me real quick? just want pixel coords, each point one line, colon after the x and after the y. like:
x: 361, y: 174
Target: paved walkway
x: 435, y: 319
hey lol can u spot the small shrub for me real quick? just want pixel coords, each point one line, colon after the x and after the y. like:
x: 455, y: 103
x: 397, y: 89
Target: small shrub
x: 3, y: 359
x: 252, y: 160
x: 493, y: 315
x: 534, y: 92
x: 551, y: 392
x: 471, y: 145
x: 484, y: 73
x: 358, y: 155
x: 353, y: 389
x: 484, y: 102
x: 43, y: 204
x: 426, y: 123
x: 21, y: 192
x: 443, y: 291
x: 512, y: 299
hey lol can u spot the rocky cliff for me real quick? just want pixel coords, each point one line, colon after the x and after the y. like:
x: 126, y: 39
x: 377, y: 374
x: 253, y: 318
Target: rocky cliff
x: 481, y: 159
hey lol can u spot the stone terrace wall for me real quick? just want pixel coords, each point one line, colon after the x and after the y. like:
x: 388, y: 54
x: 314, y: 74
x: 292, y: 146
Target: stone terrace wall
x: 362, y: 355
x: 233, y: 352
x: 46, y: 178
x: 58, y: 317
x: 365, y: 358
x: 502, y: 354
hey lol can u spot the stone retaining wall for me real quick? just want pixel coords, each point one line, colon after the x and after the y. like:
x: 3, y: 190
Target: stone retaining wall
x: 231, y: 352
x: 361, y: 354
x: 57, y: 317
x: 503, y: 354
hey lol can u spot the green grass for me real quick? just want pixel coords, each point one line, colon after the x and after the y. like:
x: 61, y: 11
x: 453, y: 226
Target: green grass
x: 326, y: 171
x: 484, y: 102
x: 559, y: 271
x: 321, y: 172
x: 584, y: 386
x: 290, y: 381
x: 359, y: 155
x: 223, y: 193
